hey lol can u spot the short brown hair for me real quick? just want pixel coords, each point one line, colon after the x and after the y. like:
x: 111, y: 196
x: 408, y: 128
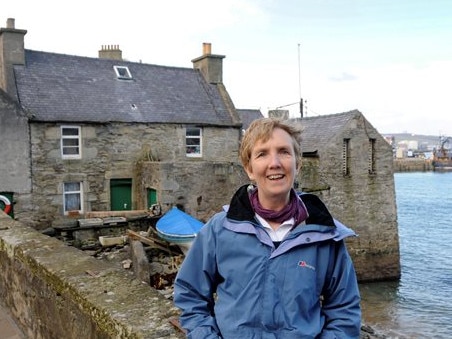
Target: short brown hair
x: 262, y: 129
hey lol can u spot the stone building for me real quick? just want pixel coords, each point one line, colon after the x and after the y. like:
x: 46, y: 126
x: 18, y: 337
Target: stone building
x: 107, y: 134
x: 15, y: 168
x: 83, y: 134
x: 350, y: 166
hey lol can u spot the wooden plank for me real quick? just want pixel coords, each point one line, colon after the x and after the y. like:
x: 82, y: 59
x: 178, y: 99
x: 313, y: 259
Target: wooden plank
x: 105, y: 214
x: 147, y: 241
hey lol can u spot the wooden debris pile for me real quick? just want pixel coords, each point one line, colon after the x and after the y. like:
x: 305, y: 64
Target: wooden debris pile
x: 164, y: 260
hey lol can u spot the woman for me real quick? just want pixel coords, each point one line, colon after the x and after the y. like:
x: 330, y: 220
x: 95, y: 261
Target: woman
x: 274, y: 263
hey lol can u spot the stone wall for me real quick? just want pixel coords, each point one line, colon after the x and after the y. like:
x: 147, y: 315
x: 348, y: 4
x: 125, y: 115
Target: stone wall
x: 113, y: 151
x: 57, y: 291
x: 199, y: 188
x: 15, y: 171
x: 412, y: 165
x: 361, y: 200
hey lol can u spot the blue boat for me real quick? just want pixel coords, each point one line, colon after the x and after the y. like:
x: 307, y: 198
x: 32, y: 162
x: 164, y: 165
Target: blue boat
x: 178, y: 227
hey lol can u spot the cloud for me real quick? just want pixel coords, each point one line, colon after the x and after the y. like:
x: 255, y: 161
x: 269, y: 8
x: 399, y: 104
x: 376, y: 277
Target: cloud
x: 395, y: 77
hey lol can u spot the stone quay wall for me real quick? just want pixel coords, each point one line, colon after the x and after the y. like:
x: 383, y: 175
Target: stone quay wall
x: 412, y: 165
x: 57, y: 291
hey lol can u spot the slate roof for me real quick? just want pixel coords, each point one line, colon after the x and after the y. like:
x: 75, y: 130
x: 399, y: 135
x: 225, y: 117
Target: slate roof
x: 59, y: 87
x: 318, y: 130
x: 248, y: 116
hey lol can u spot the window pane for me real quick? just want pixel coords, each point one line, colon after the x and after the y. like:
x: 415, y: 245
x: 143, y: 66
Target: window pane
x: 193, y: 150
x: 72, y: 202
x: 71, y: 151
x: 193, y: 132
x: 71, y: 186
x: 72, y: 196
x: 122, y: 72
x: 70, y: 142
x: 70, y: 131
x: 193, y: 142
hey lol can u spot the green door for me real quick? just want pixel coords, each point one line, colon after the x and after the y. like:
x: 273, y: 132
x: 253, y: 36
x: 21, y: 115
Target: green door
x: 152, y: 197
x: 121, y: 194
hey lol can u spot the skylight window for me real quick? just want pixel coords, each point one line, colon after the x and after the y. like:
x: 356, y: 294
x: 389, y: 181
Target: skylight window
x: 122, y: 72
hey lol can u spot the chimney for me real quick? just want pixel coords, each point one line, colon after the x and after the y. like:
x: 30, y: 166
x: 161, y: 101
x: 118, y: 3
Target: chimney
x: 210, y: 65
x: 12, y: 53
x: 110, y: 52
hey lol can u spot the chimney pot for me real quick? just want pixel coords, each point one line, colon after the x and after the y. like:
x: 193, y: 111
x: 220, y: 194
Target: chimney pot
x: 207, y: 48
x: 10, y: 23
x: 110, y: 52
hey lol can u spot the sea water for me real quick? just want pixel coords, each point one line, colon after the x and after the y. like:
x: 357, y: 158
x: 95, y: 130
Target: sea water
x: 419, y: 305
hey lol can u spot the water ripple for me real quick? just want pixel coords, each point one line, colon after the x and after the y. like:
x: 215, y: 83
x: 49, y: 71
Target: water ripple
x: 419, y: 305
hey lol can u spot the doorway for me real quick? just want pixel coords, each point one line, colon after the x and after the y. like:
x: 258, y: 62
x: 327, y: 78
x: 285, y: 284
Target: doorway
x: 121, y: 194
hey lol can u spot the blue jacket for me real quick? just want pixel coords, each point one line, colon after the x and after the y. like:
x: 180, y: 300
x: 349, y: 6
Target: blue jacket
x: 235, y: 284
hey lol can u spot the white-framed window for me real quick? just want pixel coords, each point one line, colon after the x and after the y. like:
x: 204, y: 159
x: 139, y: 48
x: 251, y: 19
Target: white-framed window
x: 193, y: 142
x: 70, y: 142
x: 122, y: 72
x: 72, y: 197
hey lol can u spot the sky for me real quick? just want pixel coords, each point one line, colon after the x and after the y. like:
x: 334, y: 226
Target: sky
x: 391, y: 60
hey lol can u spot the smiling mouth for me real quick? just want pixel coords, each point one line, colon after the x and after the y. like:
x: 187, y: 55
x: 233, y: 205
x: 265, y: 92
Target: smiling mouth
x: 275, y: 176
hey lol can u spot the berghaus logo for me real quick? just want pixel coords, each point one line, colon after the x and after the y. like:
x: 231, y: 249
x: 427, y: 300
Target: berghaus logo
x: 304, y: 264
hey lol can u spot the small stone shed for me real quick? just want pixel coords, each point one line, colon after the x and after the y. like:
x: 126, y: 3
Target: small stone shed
x: 350, y: 166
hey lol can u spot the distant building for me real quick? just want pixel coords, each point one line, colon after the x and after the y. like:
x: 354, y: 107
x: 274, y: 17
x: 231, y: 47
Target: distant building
x: 412, y: 145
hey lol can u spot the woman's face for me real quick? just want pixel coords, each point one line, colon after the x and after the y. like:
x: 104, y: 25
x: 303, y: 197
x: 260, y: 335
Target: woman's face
x: 273, y: 168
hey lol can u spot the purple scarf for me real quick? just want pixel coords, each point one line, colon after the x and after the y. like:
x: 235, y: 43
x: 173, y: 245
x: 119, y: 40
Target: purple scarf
x: 294, y: 209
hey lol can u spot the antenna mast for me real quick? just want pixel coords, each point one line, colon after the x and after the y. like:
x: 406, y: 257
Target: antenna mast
x: 299, y: 82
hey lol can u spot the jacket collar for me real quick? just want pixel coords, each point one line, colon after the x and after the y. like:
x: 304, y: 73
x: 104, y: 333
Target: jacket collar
x: 240, y: 208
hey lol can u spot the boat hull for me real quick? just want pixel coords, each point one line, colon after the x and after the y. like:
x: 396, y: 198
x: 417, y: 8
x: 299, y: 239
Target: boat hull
x: 178, y: 228
x: 445, y: 165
